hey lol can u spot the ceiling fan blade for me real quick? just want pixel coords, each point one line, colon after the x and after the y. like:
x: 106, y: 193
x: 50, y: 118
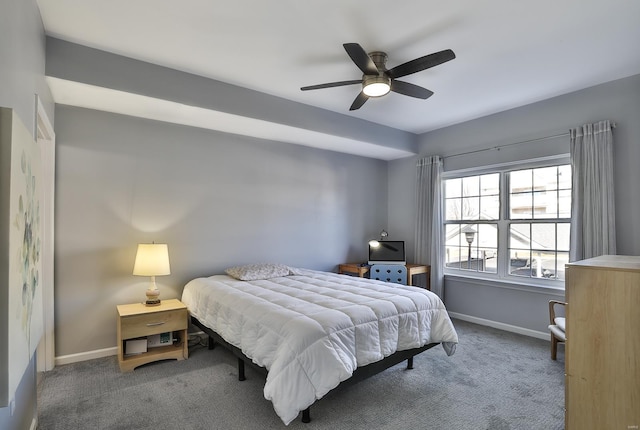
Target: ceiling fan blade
x: 421, y: 63
x: 359, y: 101
x: 410, y: 90
x: 361, y: 58
x: 330, y: 85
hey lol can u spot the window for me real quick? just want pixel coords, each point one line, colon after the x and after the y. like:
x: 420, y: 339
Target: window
x: 512, y: 223
x: 472, y: 210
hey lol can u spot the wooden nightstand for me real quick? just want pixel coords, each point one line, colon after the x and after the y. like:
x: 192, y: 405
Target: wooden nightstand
x: 137, y: 321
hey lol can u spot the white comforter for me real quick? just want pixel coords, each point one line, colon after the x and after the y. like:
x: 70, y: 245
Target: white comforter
x: 311, y: 330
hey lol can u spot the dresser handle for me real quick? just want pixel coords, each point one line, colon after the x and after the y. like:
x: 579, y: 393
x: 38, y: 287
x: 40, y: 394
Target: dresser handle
x: 155, y: 323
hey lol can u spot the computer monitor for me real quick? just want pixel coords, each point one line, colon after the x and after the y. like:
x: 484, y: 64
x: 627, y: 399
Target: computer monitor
x: 387, y: 252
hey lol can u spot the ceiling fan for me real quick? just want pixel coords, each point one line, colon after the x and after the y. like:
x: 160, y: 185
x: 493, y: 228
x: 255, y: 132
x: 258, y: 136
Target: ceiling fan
x: 377, y: 80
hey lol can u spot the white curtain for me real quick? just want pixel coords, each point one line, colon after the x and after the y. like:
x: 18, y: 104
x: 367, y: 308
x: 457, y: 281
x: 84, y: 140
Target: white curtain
x: 593, y: 229
x: 429, y: 245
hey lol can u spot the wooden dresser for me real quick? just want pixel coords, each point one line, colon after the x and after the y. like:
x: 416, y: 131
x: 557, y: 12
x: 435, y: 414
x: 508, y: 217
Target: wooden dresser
x: 602, y: 361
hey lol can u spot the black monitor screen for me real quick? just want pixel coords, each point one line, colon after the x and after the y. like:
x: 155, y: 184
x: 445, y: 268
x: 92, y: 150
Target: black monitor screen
x: 387, y: 252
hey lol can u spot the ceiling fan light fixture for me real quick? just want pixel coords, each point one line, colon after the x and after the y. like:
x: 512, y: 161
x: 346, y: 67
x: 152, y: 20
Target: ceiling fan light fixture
x: 376, y: 86
x: 377, y: 80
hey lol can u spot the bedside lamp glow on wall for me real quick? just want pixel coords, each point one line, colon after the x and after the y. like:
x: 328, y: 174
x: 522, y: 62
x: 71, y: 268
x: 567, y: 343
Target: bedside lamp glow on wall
x: 152, y: 259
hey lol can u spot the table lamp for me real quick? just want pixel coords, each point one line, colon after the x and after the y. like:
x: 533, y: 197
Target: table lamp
x: 152, y: 259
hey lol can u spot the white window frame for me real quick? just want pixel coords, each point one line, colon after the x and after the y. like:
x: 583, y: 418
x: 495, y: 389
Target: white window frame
x: 502, y: 275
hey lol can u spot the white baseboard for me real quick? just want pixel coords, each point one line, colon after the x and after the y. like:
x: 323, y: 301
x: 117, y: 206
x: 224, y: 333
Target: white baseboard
x: 34, y: 424
x: 501, y: 326
x: 83, y: 356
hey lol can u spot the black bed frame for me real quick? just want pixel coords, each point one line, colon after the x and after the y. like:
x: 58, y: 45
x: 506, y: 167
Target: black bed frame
x: 358, y: 375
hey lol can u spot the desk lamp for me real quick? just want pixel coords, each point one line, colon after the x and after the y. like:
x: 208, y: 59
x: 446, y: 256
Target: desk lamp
x: 375, y: 243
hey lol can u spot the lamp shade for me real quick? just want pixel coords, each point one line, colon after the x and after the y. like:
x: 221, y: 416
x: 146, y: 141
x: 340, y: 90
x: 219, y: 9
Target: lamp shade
x: 152, y: 259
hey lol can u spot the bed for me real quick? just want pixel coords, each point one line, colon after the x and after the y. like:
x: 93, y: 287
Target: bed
x: 312, y: 330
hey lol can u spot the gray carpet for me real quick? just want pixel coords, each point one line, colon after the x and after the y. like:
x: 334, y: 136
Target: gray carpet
x: 496, y: 380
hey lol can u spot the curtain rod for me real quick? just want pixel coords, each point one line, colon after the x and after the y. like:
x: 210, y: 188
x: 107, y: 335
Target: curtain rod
x: 499, y: 147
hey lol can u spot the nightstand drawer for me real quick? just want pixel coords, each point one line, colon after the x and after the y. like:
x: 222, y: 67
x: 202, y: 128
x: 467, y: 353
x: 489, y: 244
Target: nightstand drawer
x: 153, y: 323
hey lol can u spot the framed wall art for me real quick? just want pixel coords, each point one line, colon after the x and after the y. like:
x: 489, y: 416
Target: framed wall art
x: 20, y: 242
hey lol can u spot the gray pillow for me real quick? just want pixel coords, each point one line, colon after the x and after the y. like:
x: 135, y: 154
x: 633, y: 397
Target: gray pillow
x: 253, y: 272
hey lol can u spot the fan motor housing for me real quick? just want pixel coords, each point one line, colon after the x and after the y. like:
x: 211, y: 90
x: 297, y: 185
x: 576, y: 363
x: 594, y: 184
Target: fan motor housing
x: 380, y: 60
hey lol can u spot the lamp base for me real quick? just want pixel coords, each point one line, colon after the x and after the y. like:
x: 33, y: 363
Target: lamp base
x: 153, y: 298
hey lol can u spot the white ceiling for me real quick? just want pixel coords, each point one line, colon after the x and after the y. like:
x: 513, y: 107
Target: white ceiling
x: 509, y: 53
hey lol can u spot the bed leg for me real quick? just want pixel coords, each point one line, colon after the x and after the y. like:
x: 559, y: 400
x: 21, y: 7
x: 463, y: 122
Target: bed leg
x: 241, y: 376
x: 306, y: 415
x: 211, y: 344
x: 410, y: 363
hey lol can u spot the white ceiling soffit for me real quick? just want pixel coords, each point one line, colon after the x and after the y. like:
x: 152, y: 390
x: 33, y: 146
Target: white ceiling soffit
x: 104, y: 99
x: 508, y: 53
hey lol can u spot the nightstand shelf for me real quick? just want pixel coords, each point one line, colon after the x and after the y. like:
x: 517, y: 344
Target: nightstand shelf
x: 139, y: 321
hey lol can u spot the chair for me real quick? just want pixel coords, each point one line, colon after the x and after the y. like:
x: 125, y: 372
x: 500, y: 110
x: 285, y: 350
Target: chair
x: 395, y: 273
x: 556, y: 327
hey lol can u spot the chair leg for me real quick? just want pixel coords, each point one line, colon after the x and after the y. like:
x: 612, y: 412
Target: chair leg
x: 554, y: 347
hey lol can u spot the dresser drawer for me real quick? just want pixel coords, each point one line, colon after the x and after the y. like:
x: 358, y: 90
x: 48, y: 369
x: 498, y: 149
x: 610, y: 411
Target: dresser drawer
x: 153, y: 323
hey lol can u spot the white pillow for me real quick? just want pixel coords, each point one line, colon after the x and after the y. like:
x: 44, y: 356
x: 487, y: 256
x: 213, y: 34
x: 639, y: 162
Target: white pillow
x: 253, y: 272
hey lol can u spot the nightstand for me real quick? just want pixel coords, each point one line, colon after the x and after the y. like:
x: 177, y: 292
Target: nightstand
x: 137, y: 320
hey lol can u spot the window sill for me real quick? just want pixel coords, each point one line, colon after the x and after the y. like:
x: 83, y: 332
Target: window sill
x: 533, y: 286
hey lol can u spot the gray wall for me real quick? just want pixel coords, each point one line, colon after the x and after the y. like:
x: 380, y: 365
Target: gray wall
x: 618, y: 101
x: 221, y: 199
x: 217, y: 199
x: 22, y: 48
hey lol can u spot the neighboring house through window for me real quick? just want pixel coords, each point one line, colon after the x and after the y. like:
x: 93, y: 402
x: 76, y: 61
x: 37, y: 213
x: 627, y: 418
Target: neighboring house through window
x: 510, y: 223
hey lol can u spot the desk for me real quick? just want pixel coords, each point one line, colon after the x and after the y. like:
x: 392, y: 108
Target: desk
x: 412, y: 269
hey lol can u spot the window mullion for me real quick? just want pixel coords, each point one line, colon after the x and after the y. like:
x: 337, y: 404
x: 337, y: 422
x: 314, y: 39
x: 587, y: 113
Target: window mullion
x: 503, y: 226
